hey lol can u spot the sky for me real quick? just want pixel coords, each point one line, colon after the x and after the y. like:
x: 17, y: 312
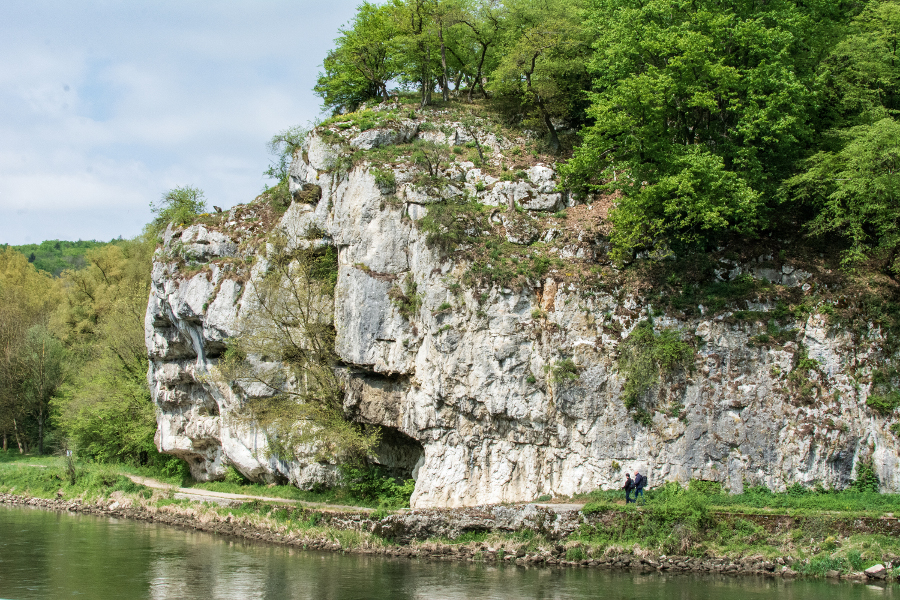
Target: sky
x: 105, y: 105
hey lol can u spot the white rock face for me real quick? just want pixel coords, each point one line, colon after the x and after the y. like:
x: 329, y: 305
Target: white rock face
x: 463, y: 392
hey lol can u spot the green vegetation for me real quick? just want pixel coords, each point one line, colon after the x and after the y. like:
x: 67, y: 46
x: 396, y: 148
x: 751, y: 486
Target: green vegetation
x: 56, y: 256
x: 180, y: 206
x: 563, y: 371
x: 370, y: 484
x: 531, y: 53
x: 710, y: 119
x: 407, y: 299
x: 884, y: 405
x: 282, y: 148
x: 295, y: 324
x: 703, y: 520
x: 74, y: 363
x: 646, y: 358
x: 44, y: 476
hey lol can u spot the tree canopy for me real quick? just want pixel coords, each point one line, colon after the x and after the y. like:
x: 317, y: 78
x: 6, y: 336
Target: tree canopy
x: 707, y: 118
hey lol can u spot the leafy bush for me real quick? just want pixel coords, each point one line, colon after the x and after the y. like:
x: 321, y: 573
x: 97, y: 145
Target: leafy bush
x: 856, y: 189
x: 597, y: 507
x: 705, y: 488
x: 884, y: 404
x: 563, y: 371
x: 406, y: 299
x: 234, y: 476
x: 575, y: 554
x: 866, y: 478
x: 384, y: 179
x: 449, y: 224
x: 369, y: 483
x: 180, y: 206
x: 647, y: 357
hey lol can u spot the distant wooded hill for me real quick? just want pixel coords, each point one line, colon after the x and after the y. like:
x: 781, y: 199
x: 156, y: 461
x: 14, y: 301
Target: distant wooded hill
x: 55, y: 256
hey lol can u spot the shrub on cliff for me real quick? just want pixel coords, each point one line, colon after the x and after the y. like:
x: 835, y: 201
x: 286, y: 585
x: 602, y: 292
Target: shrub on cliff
x: 646, y: 357
x: 287, y: 349
x: 180, y: 206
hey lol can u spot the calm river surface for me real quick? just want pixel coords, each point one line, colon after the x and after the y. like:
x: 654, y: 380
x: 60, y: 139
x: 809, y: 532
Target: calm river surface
x: 51, y: 555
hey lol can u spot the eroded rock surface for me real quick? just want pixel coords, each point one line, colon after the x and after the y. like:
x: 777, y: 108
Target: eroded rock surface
x: 464, y: 391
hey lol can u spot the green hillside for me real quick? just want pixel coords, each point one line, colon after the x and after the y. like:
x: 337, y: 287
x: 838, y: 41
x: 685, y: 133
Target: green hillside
x: 55, y: 256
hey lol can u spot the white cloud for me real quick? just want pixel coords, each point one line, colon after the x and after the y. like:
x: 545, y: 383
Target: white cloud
x: 107, y: 105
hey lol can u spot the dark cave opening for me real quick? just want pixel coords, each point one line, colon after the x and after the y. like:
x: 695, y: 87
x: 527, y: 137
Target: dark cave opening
x: 399, y: 454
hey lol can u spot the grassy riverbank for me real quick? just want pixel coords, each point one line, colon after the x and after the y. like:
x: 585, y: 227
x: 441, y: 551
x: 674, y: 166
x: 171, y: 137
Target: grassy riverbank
x: 45, y: 476
x: 810, y: 532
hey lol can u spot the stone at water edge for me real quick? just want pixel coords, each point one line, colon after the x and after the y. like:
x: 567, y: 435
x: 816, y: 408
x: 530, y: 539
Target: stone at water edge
x: 876, y: 572
x: 833, y: 574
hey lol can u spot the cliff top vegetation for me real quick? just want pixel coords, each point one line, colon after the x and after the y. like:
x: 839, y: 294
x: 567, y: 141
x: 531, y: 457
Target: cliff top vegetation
x: 710, y: 121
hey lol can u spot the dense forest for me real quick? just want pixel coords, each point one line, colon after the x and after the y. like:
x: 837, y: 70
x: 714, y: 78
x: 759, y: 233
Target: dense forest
x: 709, y: 119
x: 55, y: 256
x: 73, y: 365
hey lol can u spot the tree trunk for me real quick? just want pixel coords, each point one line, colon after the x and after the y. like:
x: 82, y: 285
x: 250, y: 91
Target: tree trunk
x: 5, y: 443
x: 554, y: 139
x: 18, y: 439
x: 445, y: 86
x: 477, y: 81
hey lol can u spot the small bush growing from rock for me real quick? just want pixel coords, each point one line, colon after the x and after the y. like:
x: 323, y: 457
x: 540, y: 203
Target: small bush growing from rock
x: 647, y: 357
x: 179, y: 205
x: 884, y: 404
x: 406, y: 299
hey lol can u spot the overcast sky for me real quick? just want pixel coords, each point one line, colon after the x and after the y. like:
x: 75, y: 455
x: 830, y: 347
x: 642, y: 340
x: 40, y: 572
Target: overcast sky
x: 105, y: 105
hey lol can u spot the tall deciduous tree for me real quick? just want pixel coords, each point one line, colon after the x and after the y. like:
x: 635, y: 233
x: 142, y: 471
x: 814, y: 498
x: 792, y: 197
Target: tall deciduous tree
x: 27, y: 297
x: 861, y: 76
x: 42, y: 357
x: 483, y: 22
x: 364, y: 61
x: 105, y: 405
x: 682, y: 86
x: 543, y: 49
x: 857, y: 192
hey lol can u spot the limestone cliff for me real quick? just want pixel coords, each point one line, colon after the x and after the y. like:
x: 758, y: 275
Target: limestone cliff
x: 464, y: 385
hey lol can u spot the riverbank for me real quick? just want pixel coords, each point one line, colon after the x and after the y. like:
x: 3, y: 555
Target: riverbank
x: 528, y: 535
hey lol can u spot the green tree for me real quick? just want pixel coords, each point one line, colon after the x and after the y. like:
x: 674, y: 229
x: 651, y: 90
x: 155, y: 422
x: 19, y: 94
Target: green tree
x: 543, y: 50
x: 179, y: 206
x: 42, y: 359
x: 861, y: 76
x: 483, y: 22
x: 856, y: 191
x: 282, y: 147
x: 685, y: 85
x: 105, y: 405
x: 287, y: 346
x: 363, y: 62
x: 27, y: 297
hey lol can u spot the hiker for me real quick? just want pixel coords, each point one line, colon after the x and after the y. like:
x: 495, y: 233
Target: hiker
x: 639, y: 482
x: 629, y: 485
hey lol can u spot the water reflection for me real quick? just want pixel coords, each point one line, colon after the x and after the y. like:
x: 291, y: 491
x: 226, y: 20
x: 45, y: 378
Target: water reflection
x: 50, y: 555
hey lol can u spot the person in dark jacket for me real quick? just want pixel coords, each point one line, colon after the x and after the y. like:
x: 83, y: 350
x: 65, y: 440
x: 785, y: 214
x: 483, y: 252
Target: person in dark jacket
x: 639, y: 482
x: 629, y: 485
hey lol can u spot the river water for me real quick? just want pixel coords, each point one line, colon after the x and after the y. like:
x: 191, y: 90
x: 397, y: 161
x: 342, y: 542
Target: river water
x: 54, y: 555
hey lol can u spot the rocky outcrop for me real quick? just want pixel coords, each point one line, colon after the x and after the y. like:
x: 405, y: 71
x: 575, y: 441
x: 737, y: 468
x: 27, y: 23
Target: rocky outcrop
x: 463, y: 387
